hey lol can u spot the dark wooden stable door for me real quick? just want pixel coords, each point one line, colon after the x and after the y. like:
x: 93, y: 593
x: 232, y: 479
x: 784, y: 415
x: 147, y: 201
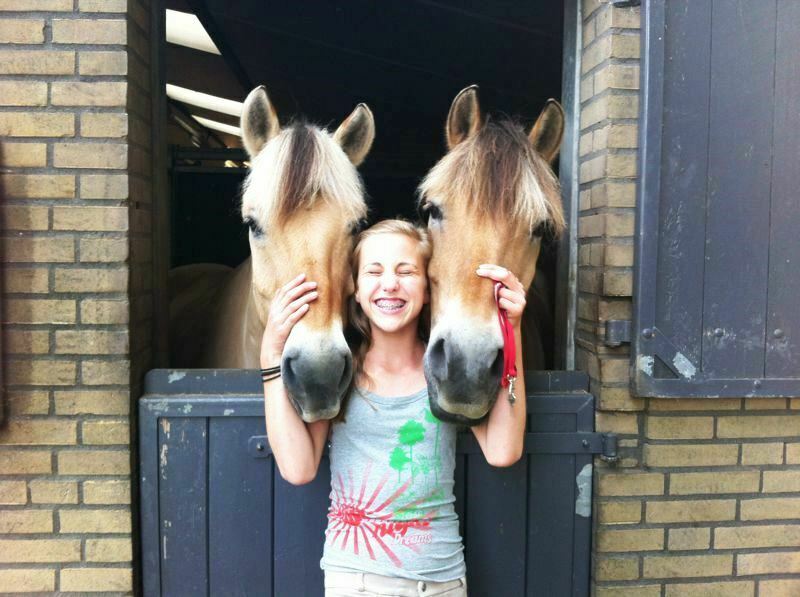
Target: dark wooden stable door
x: 217, y: 518
x: 719, y: 218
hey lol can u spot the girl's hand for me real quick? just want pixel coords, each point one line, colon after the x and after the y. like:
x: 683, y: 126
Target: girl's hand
x: 288, y: 305
x: 512, y: 295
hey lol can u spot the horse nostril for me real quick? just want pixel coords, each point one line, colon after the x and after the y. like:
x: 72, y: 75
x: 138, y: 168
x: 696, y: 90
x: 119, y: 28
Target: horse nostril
x: 347, y: 373
x: 496, y: 369
x: 287, y: 371
x: 437, y: 359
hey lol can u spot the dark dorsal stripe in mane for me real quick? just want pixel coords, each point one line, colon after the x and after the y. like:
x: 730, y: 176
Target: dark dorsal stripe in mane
x: 297, y: 186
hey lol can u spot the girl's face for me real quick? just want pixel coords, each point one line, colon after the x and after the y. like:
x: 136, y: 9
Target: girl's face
x: 392, y: 285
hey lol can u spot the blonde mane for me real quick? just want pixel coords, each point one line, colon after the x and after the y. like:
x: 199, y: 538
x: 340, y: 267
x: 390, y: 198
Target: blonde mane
x: 498, y: 172
x: 301, y: 164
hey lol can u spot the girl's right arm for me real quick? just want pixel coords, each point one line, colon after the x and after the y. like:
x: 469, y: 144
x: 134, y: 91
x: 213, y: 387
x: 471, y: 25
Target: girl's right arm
x: 296, y: 445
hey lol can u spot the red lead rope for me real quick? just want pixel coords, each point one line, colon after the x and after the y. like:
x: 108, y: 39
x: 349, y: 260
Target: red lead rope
x: 509, y: 347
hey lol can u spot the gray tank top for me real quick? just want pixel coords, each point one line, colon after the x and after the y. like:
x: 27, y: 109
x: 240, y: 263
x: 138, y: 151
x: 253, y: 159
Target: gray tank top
x: 392, y: 503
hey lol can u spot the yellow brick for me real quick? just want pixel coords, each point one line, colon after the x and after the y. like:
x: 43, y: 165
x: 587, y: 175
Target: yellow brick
x: 28, y: 402
x: 596, y: 53
x: 24, y: 462
x: 690, y: 511
x: 38, y: 186
x: 792, y: 454
x: 781, y: 481
x: 27, y: 280
x: 624, y: 423
x: 622, y: 165
x: 21, y: 432
x: 36, y: 5
x: 617, y: 283
x: 771, y: 453
x: 26, y: 521
x: 94, y: 521
x: 765, y: 404
x: 91, y: 402
x: 768, y: 563
x: 26, y: 342
x: 631, y: 484
x: 27, y: 124
x: 91, y: 280
x: 24, y: 155
x: 614, y: 370
x: 786, y: 587
x: 770, y: 509
x: 744, y: 588
x: 629, y: 591
x: 103, y: 63
x: 41, y: 372
x: 54, y: 492
x: 109, y: 550
x: 107, y: 492
x: 21, y: 31
x: 90, y: 155
x: 94, y: 462
x: 96, y: 579
x: 104, y: 186
x: 689, y: 538
x: 619, y: 255
x: 106, y: 432
x: 623, y: 106
x: 96, y: 93
x: 616, y: 568
x: 694, y: 404
x: 100, y: 219
x: 100, y: 311
x: 612, y: 398
x: 39, y: 550
x: 40, y: 311
x: 103, y: 250
x: 691, y: 455
x: 101, y: 373
x: 680, y: 427
x: 759, y: 426
x: 717, y: 482
x: 687, y: 566
x: 630, y: 539
x: 620, y: 512
x: 85, y: 31
x: 91, y: 342
x: 104, y: 124
x: 25, y: 217
x: 28, y: 581
x: 38, y: 249
x: 36, y: 62
x: 757, y: 536
x: 103, y: 5
x: 13, y: 493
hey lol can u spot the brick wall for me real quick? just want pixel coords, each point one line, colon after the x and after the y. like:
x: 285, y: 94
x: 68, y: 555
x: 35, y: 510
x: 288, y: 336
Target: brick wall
x: 706, y: 498
x: 75, y: 159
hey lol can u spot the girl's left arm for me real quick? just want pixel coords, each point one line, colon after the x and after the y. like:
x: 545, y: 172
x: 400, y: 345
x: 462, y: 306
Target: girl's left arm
x: 502, y: 435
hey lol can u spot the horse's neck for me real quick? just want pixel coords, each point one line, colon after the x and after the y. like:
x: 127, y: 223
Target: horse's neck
x: 238, y: 330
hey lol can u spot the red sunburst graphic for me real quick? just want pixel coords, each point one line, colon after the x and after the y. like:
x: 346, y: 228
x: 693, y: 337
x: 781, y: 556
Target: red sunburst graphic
x: 350, y: 517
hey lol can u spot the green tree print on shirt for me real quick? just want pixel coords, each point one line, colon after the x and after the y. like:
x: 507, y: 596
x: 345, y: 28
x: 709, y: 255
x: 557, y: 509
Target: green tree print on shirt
x: 409, y: 434
x: 398, y: 461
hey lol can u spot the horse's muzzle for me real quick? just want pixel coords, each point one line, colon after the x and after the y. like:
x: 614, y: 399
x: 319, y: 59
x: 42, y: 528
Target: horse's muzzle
x: 317, y: 380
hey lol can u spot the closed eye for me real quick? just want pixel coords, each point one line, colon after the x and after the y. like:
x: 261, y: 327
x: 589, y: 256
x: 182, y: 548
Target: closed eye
x: 430, y: 211
x: 255, y: 229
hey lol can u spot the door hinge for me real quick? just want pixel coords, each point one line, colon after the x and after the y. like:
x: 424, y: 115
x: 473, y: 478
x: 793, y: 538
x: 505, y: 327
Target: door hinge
x: 618, y: 332
x: 624, y: 3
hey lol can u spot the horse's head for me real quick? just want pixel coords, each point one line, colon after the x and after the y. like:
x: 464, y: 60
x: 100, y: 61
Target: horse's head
x: 302, y: 201
x: 489, y: 200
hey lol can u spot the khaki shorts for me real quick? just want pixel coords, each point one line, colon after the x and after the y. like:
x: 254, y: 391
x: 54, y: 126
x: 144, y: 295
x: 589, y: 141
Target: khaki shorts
x: 362, y: 584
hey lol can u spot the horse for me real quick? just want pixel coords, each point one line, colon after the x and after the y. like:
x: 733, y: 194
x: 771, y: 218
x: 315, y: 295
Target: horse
x: 302, y: 201
x: 490, y: 199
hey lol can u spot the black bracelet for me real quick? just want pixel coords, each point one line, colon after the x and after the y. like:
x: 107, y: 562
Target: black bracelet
x: 270, y: 373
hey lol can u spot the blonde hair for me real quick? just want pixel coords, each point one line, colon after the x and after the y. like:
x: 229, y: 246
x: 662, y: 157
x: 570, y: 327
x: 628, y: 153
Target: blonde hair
x: 358, y: 334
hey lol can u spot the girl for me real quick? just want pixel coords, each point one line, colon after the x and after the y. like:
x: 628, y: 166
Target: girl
x: 392, y: 527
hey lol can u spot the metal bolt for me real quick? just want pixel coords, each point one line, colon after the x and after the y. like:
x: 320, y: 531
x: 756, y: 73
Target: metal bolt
x: 260, y: 447
x: 757, y: 383
x: 647, y: 333
x: 719, y: 332
x: 585, y: 443
x: 778, y: 333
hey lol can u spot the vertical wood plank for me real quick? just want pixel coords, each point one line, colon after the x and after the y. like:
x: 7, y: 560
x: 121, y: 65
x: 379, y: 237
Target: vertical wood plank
x: 740, y: 147
x: 684, y: 162
x: 783, y: 315
x: 183, y: 505
x: 239, y: 510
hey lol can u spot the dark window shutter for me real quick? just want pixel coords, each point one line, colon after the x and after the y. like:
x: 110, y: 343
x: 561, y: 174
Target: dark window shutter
x: 717, y: 288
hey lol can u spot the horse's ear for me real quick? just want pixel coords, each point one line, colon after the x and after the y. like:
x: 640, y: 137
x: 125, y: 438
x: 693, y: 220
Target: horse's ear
x: 464, y: 118
x: 548, y: 130
x: 356, y: 134
x: 259, y: 121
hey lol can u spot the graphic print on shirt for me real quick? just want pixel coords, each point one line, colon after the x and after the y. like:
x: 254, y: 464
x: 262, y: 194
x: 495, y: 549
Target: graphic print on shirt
x: 357, y: 522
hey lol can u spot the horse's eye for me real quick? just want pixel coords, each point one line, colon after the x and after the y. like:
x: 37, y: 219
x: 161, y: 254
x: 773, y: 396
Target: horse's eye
x: 543, y: 231
x: 430, y: 211
x: 255, y: 229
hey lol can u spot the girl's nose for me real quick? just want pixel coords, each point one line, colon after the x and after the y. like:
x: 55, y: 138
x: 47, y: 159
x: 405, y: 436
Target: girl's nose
x: 389, y: 282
